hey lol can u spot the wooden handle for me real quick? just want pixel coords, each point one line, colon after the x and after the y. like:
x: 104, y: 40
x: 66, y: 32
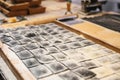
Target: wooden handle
x: 1, y: 44
x: 68, y: 6
x: 6, y: 4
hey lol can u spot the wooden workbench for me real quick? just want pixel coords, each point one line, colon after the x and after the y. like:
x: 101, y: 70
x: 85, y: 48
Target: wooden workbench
x: 89, y: 30
x: 99, y: 34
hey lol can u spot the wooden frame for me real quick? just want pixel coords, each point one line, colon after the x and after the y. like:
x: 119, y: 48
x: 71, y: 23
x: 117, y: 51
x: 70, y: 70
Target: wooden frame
x: 22, y: 73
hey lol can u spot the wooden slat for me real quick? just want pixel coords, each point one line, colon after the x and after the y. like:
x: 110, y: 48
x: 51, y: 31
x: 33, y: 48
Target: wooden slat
x: 43, y: 19
x: 4, y: 10
x: 17, y: 66
x: 5, y: 3
x: 105, y: 35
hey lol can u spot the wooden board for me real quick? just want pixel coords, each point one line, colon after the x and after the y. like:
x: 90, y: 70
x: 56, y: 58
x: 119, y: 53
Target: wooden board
x: 106, y: 35
x: 16, y: 65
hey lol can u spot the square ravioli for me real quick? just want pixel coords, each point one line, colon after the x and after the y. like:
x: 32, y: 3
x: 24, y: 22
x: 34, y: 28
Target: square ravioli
x: 31, y: 62
x: 84, y: 73
x: 31, y: 46
x: 56, y: 67
x: 44, y: 59
x: 25, y: 54
x: 52, y: 77
x: 13, y: 43
x: 45, y: 44
x: 89, y: 64
x: 115, y: 67
x: 104, y: 60
x: 26, y: 40
x: 95, y: 54
x: 60, y: 56
x: 5, y: 39
x: 112, y: 77
x: 79, y: 58
x: 40, y: 71
x: 115, y: 57
x: 17, y: 37
x: 62, y: 47
x: 38, y: 51
x: 102, y: 72
x: 77, y: 38
x: 18, y: 48
x: 69, y: 75
x: 52, y: 50
x: 87, y: 42
x: 71, y: 64
x: 74, y: 45
x: 38, y: 39
x: 71, y: 52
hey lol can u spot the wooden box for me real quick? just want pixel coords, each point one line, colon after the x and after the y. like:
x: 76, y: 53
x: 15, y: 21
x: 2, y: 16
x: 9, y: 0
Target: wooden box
x: 35, y: 3
x: 27, y: 7
x: 20, y: 1
x: 35, y: 10
x: 14, y: 7
x: 13, y: 13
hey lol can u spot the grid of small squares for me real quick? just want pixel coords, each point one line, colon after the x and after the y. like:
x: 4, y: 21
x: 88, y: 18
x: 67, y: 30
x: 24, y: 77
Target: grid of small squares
x: 51, y: 52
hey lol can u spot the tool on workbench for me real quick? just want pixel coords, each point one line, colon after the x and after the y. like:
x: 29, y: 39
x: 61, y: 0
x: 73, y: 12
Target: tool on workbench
x: 91, y: 6
x: 68, y: 7
x: 12, y: 19
x: 70, y: 20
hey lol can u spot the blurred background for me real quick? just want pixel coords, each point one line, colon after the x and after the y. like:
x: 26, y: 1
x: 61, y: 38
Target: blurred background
x: 111, y: 5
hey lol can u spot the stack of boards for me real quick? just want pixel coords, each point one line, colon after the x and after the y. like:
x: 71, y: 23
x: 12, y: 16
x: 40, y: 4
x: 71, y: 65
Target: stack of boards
x: 21, y: 7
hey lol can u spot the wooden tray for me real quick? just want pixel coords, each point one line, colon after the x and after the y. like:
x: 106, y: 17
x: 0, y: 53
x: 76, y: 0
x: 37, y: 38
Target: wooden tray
x: 20, y: 70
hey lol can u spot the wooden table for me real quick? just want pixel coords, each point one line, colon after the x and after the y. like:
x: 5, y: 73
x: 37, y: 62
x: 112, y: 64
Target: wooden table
x: 98, y: 34
x: 91, y: 31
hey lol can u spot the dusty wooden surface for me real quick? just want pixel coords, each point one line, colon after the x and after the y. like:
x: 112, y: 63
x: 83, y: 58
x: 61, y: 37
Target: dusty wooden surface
x: 98, y: 32
x: 103, y: 34
x: 16, y: 65
x: 95, y: 31
x: 52, y: 12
